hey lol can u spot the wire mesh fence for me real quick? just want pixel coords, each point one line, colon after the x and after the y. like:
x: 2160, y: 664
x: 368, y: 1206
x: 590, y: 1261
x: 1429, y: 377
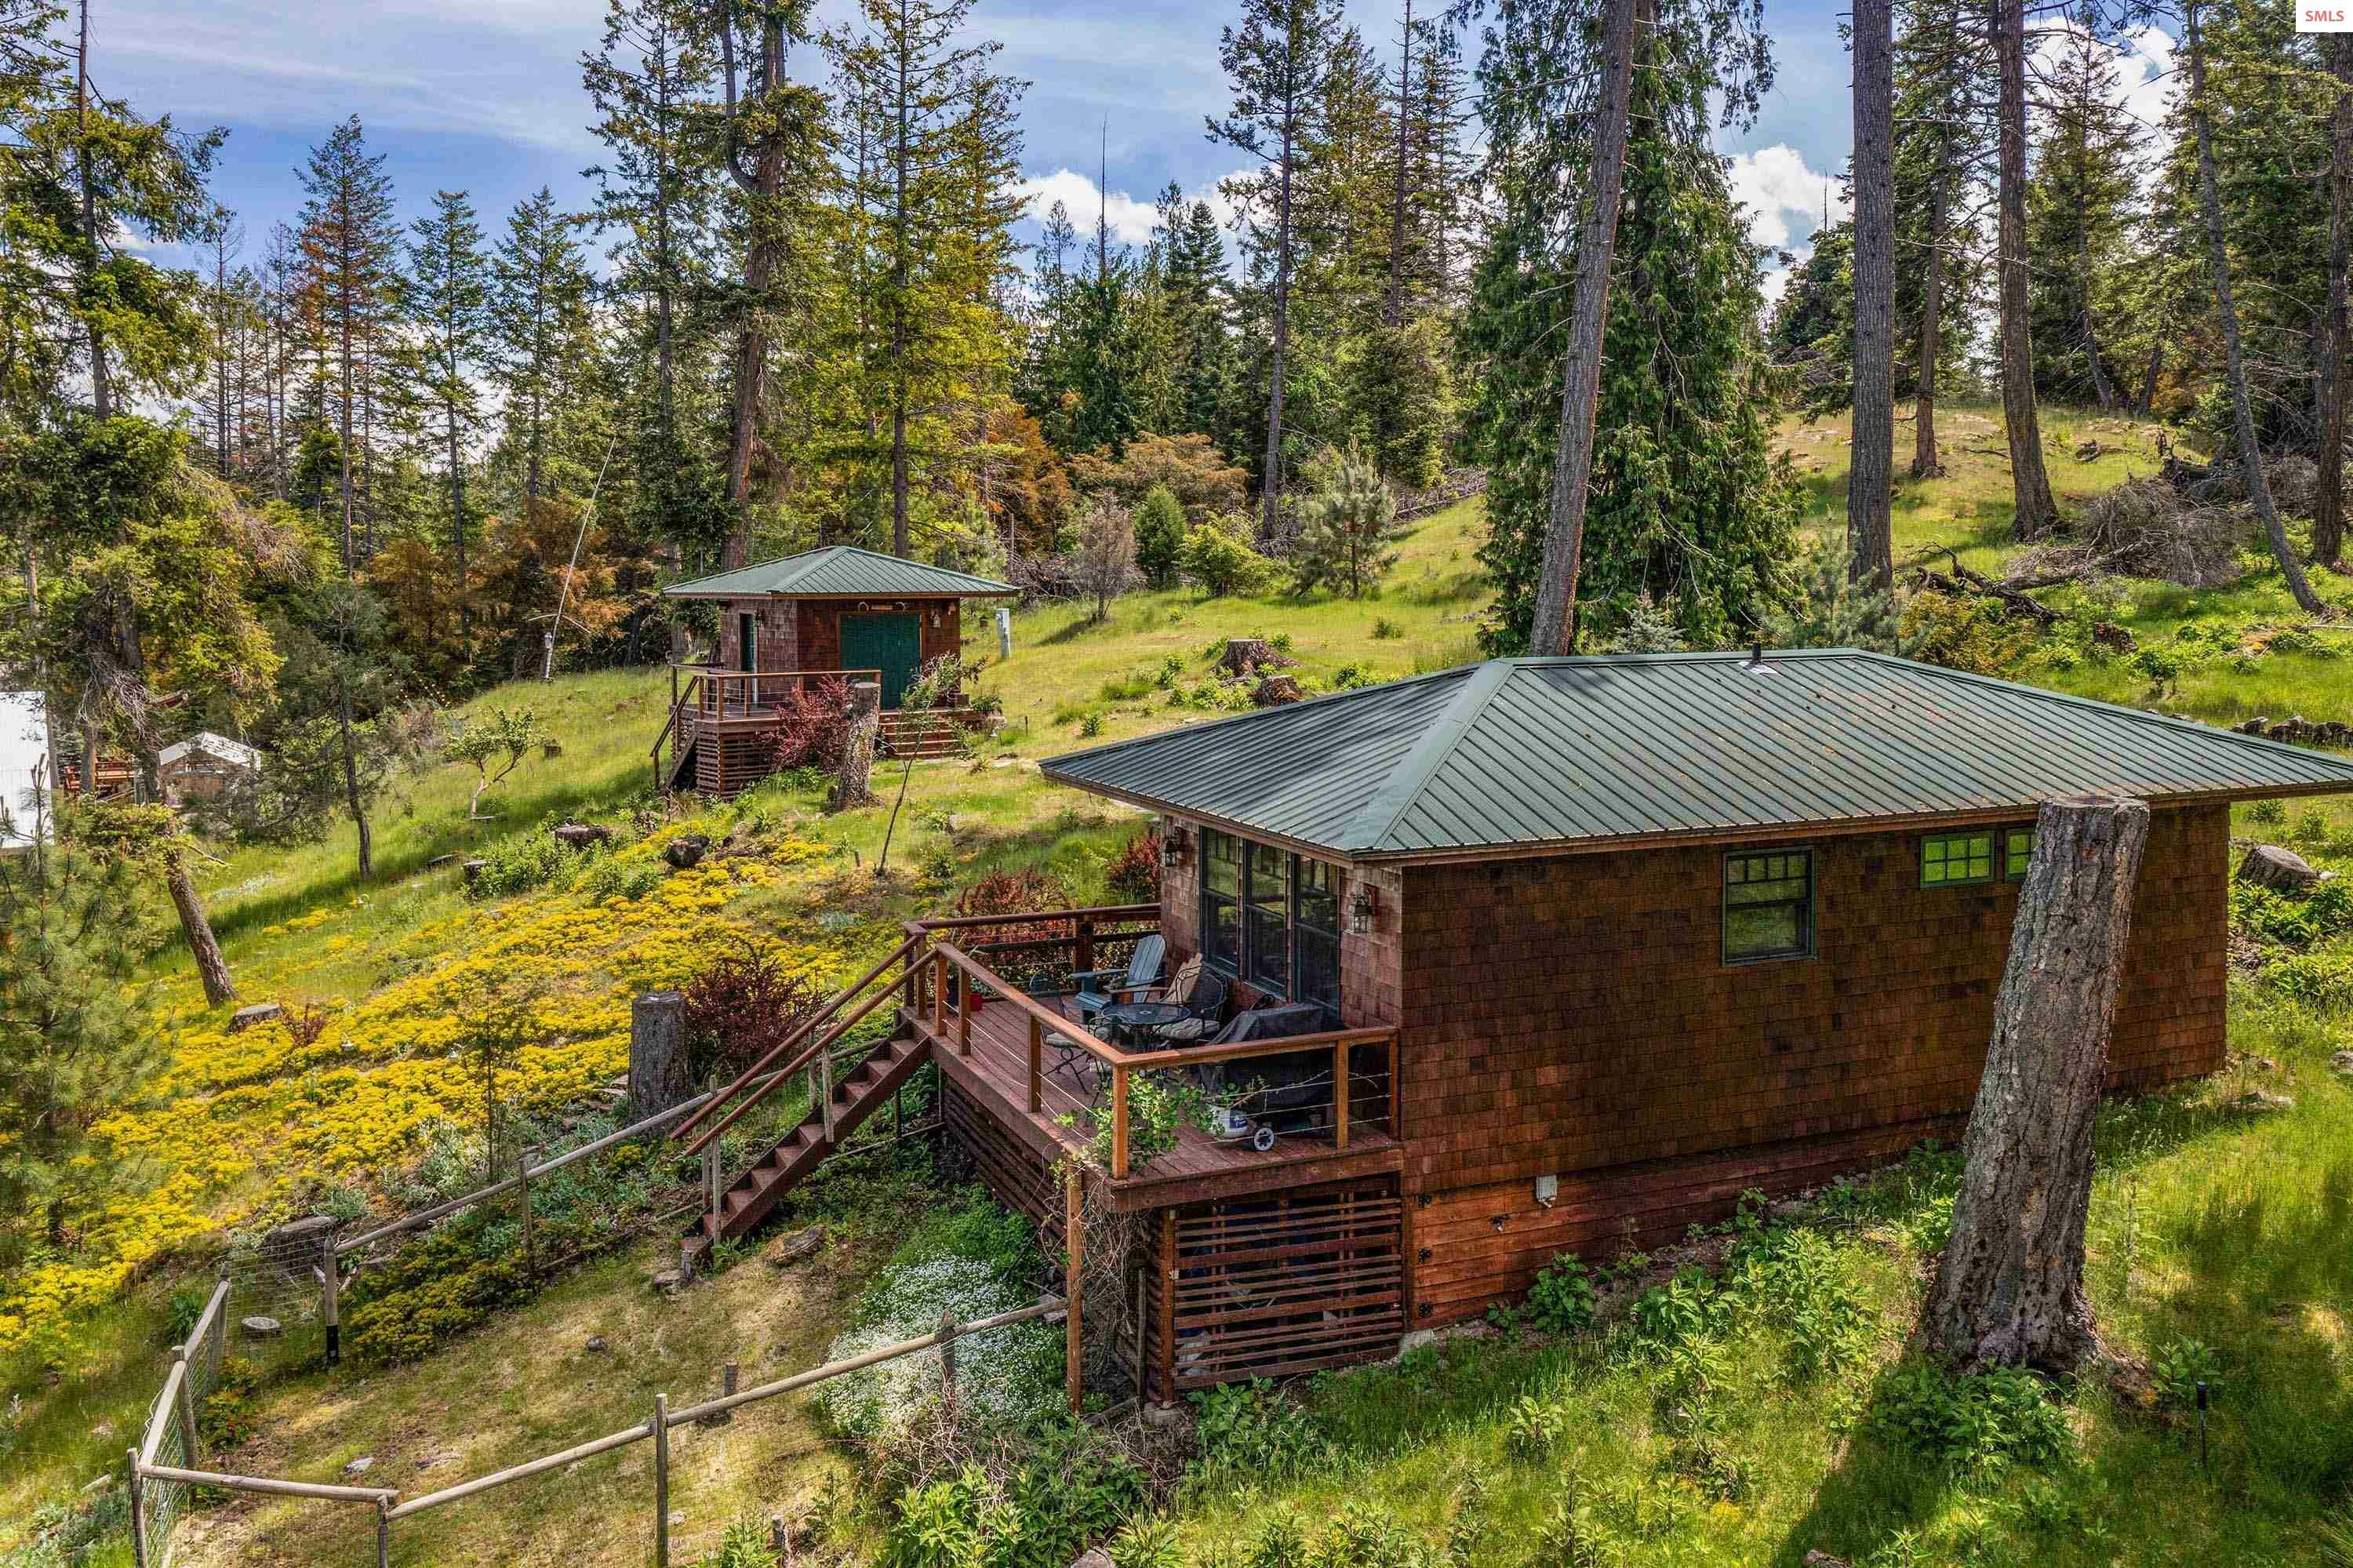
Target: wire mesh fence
x: 172, y: 1435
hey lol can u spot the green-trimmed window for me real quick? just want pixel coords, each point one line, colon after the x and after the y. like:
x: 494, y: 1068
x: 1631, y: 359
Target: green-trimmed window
x: 2018, y: 852
x: 1768, y: 905
x: 1951, y: 860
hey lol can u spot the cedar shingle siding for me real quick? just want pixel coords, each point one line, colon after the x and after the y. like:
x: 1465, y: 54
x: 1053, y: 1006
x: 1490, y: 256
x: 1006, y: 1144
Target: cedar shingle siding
x: 1573, y: 1015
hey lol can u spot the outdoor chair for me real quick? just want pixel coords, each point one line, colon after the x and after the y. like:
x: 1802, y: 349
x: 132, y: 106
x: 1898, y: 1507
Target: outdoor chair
x: 1203, y: 999
x: 1095, y: 990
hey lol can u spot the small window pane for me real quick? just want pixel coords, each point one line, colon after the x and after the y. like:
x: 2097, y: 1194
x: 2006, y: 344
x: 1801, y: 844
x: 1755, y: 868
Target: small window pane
x: 1768, y: 907
x: 2020, y: 851
x: 1949, y: 859
x: 1222, y: 910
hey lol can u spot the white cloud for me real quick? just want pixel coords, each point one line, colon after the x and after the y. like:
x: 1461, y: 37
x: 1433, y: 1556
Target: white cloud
x: 1774, y: 184
x: 1131, y: 221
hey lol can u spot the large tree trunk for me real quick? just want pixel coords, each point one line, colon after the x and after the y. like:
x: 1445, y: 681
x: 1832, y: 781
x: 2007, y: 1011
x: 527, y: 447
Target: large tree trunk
x: 1870, y: 473
x: 1924, y: 463
x: 211, y: 967
x: 2328, y: 502
x: 760, y: 186
x: 2217, y: 253
x: 1393, y: 301
x: 1271, y: 481
x: 2010, y: 1287
x: 1554, y: 629
x: 2148, y: 379
x: 2035, y: 512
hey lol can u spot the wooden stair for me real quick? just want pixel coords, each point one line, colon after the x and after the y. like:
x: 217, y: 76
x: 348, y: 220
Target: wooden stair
x: 856, y: 1096
x: 926, y: 736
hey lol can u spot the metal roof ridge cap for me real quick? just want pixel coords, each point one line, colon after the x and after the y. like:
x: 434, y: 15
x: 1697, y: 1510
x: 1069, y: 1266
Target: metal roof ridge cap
x: 2069, y: 699
x: 1380, y: 816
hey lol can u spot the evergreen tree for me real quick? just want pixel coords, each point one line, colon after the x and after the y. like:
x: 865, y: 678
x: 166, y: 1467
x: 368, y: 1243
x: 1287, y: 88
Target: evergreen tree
x: 1159, y: 534
x: 1943, y: 132
x: 1688, y: 502
x: 447, y: 295
x: 539, y: 331
x: 2078, y: 219
x: 1275, y: 62
x: 349, y: 242
x: 1349, y: 528
x: 79, y: 1036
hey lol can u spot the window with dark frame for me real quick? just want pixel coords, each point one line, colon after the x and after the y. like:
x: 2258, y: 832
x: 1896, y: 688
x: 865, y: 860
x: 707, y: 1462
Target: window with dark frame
x: 1221, y: 901
x: 1267, y: 930
x: 1768, y: 905
x: 1956, y: 860
x: 2018, y: 854
x: 1315, y: 932
x: 1270, y: 917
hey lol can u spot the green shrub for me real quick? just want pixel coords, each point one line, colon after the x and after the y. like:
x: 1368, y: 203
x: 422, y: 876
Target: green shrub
x: 951, y: 1524
x: 1091, y: 724
x: 1666, y: 1315
x: 1246, y: 1429
x: 518, y: 864
x: 1222, y: 564
x: 227, y: 1418
x: 1147, y: 1541
x: 1534, y: 1428
x: 2179, y: 1367
x: 1561, y: 1300
x: 2270, y: 813
x: 2295, y: 920
x: 1384, y: 628
x: 1973, y: 1421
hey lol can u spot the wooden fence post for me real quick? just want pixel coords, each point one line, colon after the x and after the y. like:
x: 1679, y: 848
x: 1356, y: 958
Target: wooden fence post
x: 825, y: 1089
x: 137, y: 1515
x: 383, y: 1533
x: 187, y: 1408
x: 1037, y: 1063
x: 1073, y: 1245
x: 710, y: 1186
x: 330, y: 1289
x: 661, y: 1480
x: 523, y: 1183
x: 947, y: 1363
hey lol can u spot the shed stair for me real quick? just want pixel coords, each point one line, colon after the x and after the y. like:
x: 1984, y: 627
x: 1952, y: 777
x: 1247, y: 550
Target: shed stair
x: 856, y: 1096
x: 923, y: 735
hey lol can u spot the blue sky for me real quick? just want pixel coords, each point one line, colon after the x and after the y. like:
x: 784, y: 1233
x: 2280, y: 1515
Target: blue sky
x: 485, y: 96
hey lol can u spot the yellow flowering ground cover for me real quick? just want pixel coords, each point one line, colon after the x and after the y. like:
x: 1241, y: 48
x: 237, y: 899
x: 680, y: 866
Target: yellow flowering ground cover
x: 349, y: 1087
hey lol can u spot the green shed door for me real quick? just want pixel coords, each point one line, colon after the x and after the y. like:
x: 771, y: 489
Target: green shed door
x: 891, y: 643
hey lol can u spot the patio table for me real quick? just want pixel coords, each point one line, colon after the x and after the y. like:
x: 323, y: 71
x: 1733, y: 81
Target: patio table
x: 1136, y: 1021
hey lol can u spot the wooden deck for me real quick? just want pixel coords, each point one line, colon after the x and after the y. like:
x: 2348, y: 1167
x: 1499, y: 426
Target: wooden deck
x: 995, y: 1072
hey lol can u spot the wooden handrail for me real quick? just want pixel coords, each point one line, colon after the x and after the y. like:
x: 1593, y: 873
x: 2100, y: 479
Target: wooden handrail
x: 832, y: 1005
x: 1028, y: 1005
x: 1102, y: 912
x: 1195, y: 1056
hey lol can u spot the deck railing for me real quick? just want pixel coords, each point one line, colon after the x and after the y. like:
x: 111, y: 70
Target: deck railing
x: 949, y: 972
x: 707, y: 694
x: 1362, y: 1077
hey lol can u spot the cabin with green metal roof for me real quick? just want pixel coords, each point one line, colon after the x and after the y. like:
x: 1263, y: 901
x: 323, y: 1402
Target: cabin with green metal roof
x: 783, y: 626
x: 1534, y: 957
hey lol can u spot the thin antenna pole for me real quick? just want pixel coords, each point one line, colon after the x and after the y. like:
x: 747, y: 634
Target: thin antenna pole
x: 564, y: 595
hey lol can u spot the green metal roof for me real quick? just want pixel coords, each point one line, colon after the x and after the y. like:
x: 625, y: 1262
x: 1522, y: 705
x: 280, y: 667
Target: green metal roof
x: 1520, y: 753
x: 842, y: 570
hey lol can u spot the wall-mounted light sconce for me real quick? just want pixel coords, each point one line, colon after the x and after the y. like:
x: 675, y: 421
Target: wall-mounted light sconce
x: 1361, y: 909
x: 1172, y: 846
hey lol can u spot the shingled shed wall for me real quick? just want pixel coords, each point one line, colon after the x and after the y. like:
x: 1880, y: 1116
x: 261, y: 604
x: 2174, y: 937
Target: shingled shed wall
x: 806, y: 634
x: 1574, y: 1016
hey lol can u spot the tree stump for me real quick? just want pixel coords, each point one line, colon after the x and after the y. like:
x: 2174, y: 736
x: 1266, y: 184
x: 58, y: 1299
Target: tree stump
x: 1248, y: 655
x: 853, y: 780
x: 660, y: 1074
x: 2281, y: 871
x: 1277, y: 691
x: 2010, y: 1286
x: 686, y: 851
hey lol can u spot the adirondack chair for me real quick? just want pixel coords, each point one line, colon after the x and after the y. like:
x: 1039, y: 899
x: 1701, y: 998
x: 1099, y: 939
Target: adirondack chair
x: 1097, y: 989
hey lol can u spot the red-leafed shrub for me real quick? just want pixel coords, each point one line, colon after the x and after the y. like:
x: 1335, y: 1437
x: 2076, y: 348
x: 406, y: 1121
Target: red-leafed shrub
x: 1017, y: 893
x: 813, y: 725
x: 739, y: 1006
x: 1135, y: 872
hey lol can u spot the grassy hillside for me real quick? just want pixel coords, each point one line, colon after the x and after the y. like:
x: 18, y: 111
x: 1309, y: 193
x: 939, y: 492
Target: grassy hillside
x: 2211, y: 1223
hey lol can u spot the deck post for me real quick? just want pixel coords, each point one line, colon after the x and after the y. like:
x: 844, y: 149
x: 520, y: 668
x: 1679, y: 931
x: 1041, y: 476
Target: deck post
x: 971, y: 1000
x: 1085, y: 955
x: 661, y: 1480
x: 1340, y: 1097
x: 825, y: 1088
x: 1168, y: 1305
x: 1073, y: 1244
x: 1037, y: 1063
x: 939, y: 993
x: 1118, y: 1122
x: 1396, y: 1099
